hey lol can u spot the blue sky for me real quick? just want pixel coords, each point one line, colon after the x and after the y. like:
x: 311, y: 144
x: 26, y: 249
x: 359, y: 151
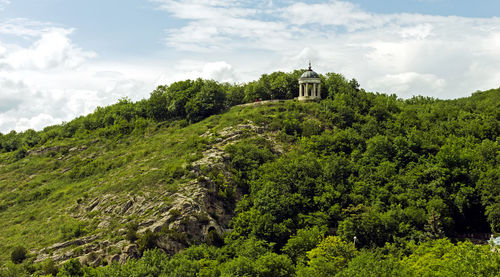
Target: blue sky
x: 60, y: 59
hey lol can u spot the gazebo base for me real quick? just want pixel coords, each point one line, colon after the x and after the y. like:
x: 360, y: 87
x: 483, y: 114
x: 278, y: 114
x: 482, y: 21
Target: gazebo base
x: 308, y: 98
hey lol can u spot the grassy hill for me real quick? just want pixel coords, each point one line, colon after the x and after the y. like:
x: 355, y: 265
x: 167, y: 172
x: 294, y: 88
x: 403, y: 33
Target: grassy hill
x: 41, y: 193
x: 356, y: 164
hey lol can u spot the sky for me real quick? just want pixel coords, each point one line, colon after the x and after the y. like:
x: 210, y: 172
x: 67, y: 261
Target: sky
x: 60, y: 59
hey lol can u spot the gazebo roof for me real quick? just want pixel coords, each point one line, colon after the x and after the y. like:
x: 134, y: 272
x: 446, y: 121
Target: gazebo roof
x: 309, y: 74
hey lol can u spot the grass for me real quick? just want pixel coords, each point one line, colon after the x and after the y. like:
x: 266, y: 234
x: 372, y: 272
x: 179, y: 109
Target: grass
x: 39, y: 192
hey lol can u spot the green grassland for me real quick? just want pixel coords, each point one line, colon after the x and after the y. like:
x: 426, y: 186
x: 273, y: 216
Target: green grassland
x: 37, y: 192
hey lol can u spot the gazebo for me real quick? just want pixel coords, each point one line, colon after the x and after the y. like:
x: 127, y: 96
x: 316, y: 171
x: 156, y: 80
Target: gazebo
x: 309, y: 85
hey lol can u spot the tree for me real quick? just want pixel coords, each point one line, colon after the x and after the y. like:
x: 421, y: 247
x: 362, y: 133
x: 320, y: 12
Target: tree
x: 274, y: 265
x: 235, y: 95
x: 210, y: 100
x: 443, y: 258
x: 337, y: 84
x: 328, y: 258
x: 256, y: 90
x: 433, y: 228
x: 366, y: 225
x: 369, y: 263
x: 31, y: 137
x: 179, y: 93
x: 305, y: 240
x: 282, y: 85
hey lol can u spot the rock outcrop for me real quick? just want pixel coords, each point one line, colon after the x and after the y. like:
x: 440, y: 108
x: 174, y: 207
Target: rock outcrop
x: 181, y: 217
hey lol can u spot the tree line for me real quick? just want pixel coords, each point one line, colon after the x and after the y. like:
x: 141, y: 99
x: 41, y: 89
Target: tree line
x: 190, y: 100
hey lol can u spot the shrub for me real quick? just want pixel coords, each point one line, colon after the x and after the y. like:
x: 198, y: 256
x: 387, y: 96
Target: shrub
x: 18, y: 255
x: 310, y: 128
x: 71, y: 268
x: 132, y: 232
x: 213, y: 238
x: 21, y: 153
x: 73, y: 229
x: 49, y: 267
x: 147, y: 241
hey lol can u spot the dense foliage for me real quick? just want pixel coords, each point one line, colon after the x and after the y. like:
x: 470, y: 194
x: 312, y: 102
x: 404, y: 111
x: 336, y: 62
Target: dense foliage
x: 367, y: 184
x: 331, y: 257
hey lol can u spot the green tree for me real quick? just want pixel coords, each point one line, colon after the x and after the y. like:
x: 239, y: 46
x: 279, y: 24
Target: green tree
x: 210, y: 100
x: 157, y: 104
x: 433, y: 228
x: 235, y: 95
x: 328, y: 258
x: 179, y: 94
x: 368, y: 263
x: 305, y: 240
x: 442, y: 258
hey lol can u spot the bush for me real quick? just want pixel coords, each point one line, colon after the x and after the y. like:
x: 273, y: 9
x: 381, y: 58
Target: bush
x: 71, y: 268
x: 20, y: 153
x: 72, y: 229
x: 49, y: 267
x: 147, y: 241
x: 18, y: 255
x: 132, y: 232
x: 213, y: 238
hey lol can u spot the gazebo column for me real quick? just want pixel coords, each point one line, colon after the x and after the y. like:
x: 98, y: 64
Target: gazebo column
x: 300, y: 90
x: 314, y: 88
x: 307, y: 89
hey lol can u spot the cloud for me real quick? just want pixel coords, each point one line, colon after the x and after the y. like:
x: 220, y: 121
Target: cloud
x: 49, y: 79
x: 53, y: 49
x: 441, y: 56
x: 3, y: 4
x: 336, y: 13
x: 8, y: 98
x: 412, y: 82
x: 25, y: 28
x: 221, y: 26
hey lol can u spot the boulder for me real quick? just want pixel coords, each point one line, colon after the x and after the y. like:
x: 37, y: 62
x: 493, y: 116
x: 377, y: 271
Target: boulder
x: 114, y: 259
x: 132, y: 251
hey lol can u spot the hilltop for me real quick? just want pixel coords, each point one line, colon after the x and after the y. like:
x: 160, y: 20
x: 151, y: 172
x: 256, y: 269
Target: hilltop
x: 191, y: 165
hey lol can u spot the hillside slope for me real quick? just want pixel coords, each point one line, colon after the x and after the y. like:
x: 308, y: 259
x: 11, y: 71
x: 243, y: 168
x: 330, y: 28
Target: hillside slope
x: 356, y: 164
x: 92, y: 188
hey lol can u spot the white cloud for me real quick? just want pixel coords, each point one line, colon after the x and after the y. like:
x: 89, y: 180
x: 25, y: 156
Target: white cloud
x: 442, y: 56
x: 3, y: 4
x: 51, y: 79
x: 336, y: 13
x: 53, y: 49
x: 411, y: 83
x: 24, y: 27
x: 220, y: 71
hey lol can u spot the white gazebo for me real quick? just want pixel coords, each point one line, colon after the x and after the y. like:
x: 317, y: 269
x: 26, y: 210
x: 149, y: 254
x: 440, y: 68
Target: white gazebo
x: 309, y: 85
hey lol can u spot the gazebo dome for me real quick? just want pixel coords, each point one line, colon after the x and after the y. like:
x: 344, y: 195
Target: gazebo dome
x: 309, y: 74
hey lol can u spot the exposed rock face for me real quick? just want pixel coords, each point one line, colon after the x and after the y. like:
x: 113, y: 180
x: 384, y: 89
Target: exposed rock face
x: 182, y: 217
